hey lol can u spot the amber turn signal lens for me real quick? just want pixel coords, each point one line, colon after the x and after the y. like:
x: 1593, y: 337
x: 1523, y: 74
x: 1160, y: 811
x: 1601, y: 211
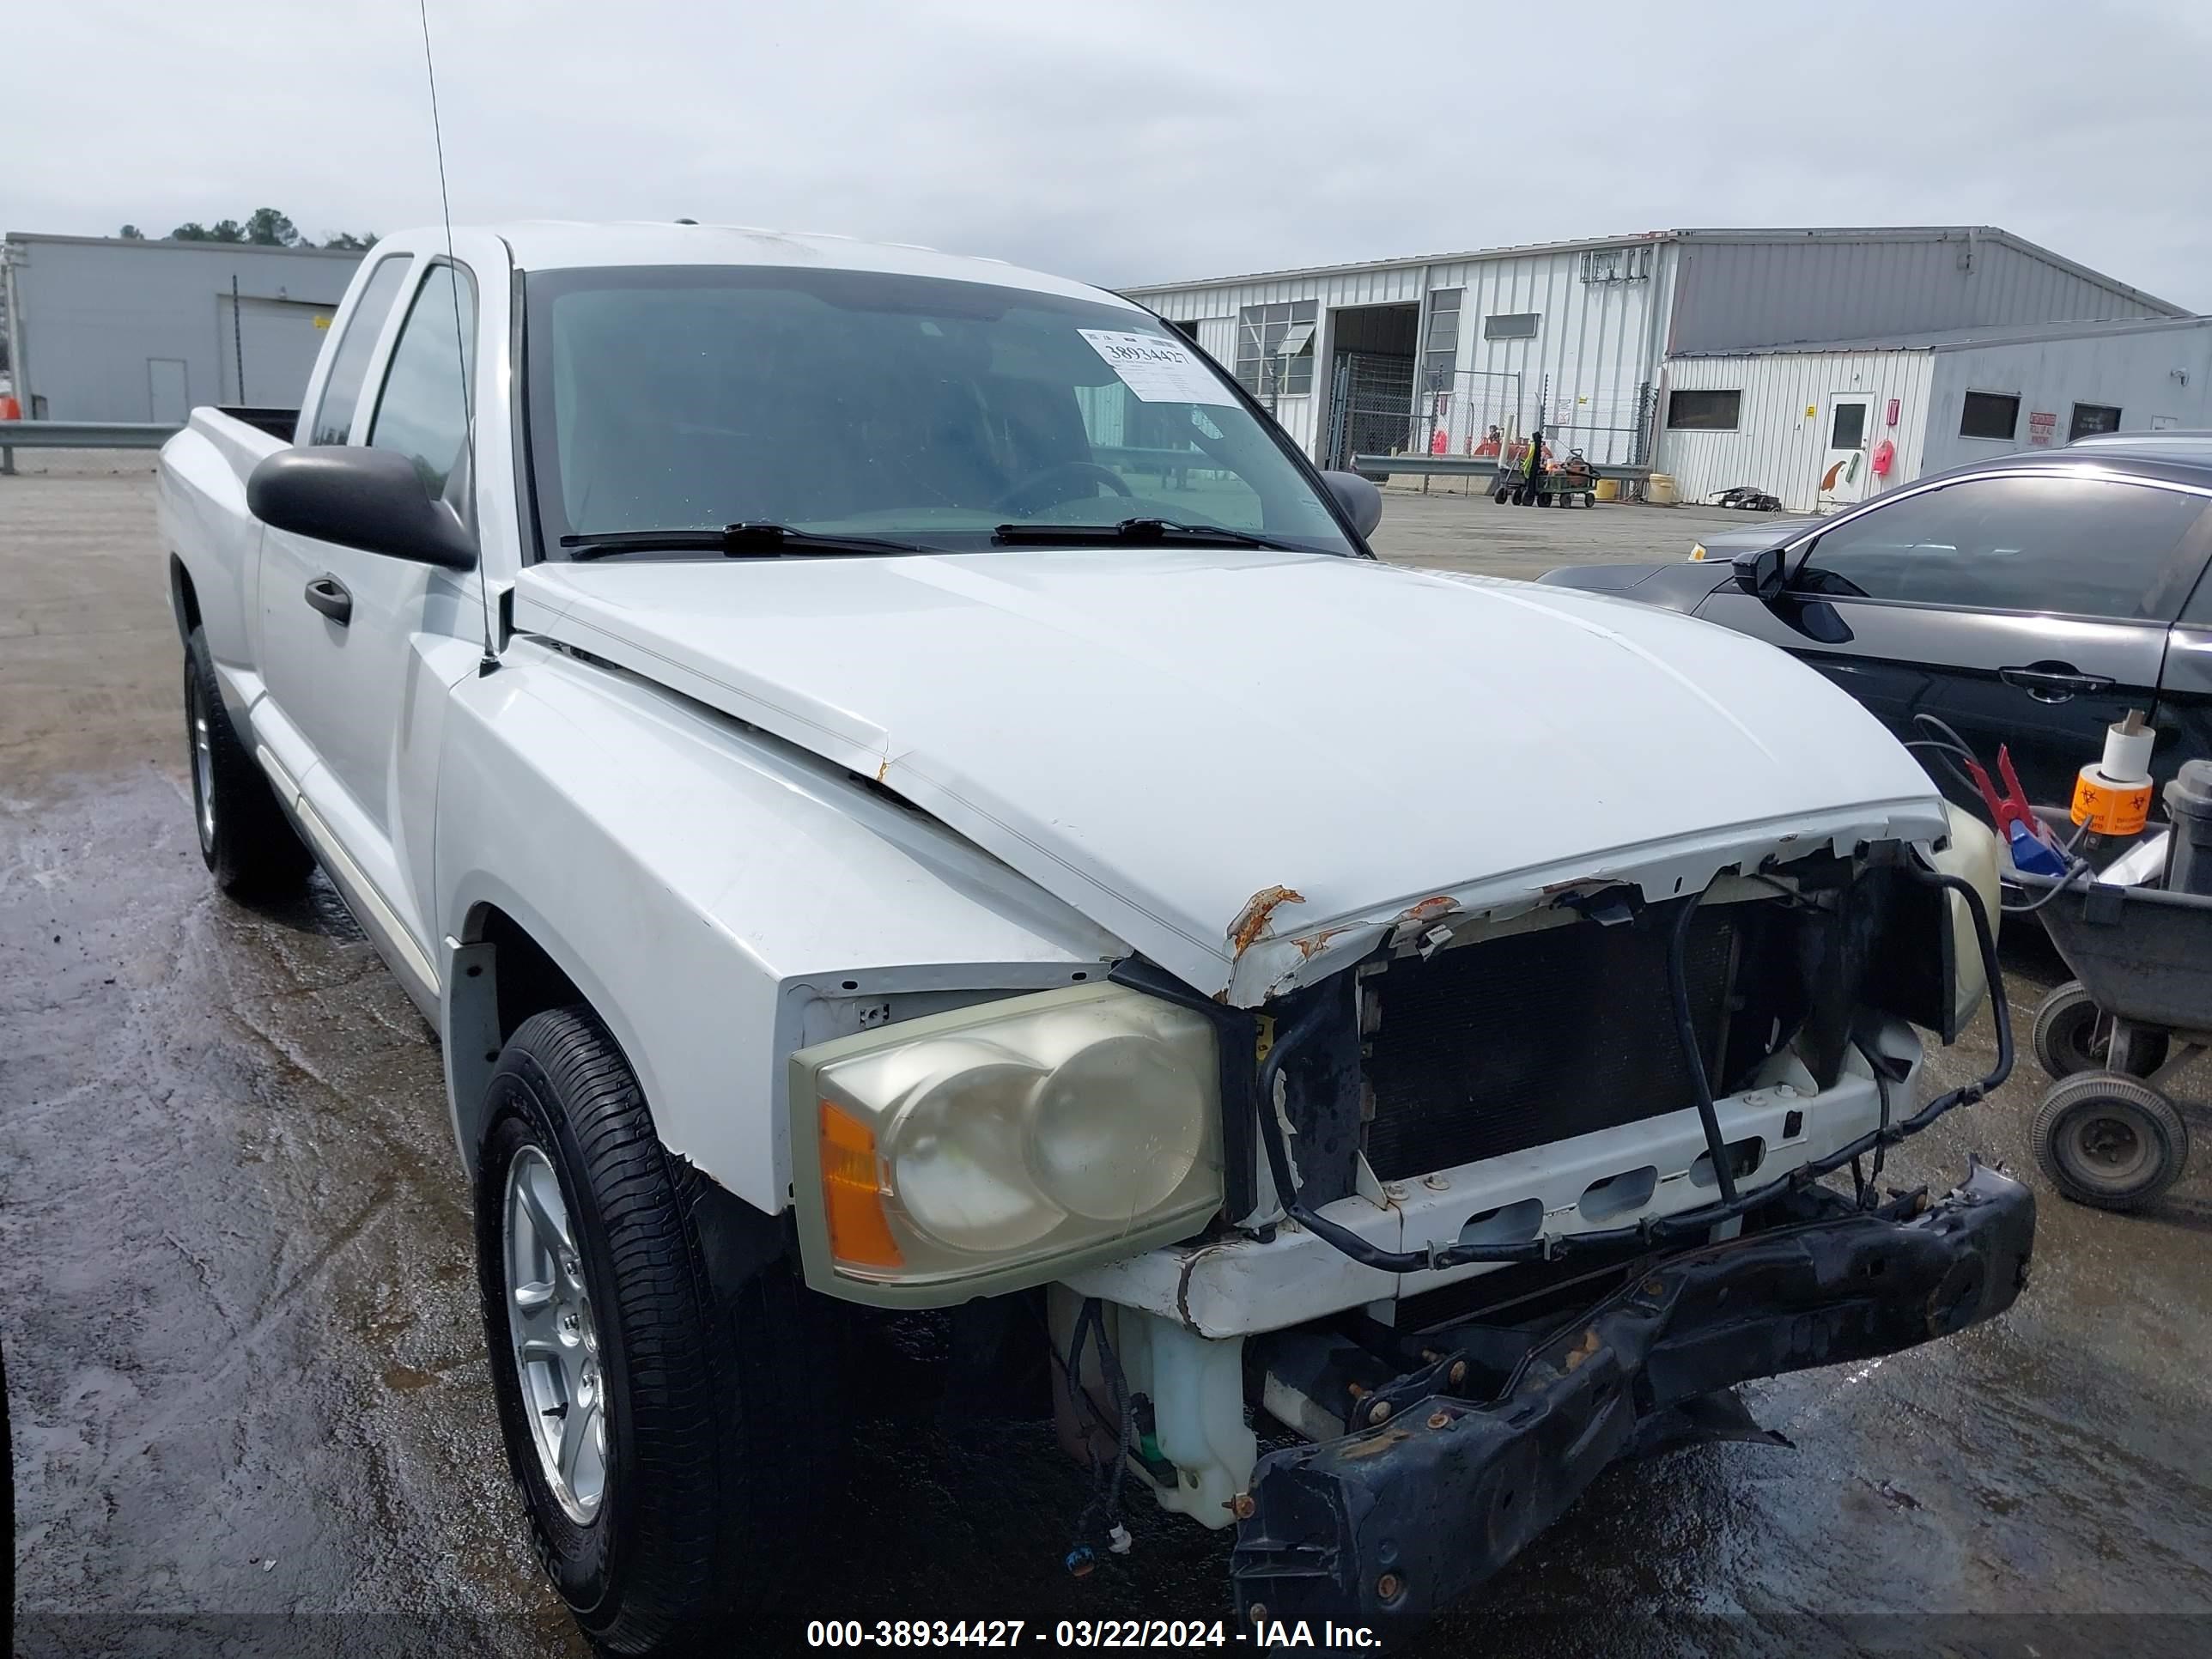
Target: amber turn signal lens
x: 853, y: 1193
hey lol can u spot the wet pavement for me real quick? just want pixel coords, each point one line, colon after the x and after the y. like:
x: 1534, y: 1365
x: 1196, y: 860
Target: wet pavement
x: 250, y: 1402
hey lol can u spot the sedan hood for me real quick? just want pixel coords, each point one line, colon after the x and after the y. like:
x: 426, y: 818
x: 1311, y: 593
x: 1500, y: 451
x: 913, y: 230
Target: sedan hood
x: 1251, y: 765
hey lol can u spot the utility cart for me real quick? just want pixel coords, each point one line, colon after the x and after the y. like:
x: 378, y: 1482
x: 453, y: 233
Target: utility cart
x: 1562, y: 485
x: 2116, y: 1035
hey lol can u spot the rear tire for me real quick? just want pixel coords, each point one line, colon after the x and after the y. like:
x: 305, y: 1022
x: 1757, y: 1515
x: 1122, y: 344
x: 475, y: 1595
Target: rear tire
x: 2071, y: 1036
x: 2110, y: 1141
x: 716, y: 1403
x: 247, y: 844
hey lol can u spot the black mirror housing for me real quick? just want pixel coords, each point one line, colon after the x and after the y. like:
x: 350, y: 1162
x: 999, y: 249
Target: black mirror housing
x: 1360, y: 499
x: 370, y: 499
x: 1761, y: 573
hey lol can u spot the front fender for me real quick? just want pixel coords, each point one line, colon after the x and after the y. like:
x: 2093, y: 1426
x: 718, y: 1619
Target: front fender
x: 704, y: 886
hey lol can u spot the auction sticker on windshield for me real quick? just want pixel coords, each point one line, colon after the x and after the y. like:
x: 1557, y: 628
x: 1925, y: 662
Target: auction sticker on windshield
x: 1159, y: 371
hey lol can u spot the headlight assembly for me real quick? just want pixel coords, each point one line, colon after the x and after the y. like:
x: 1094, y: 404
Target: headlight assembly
x: 1003, y: 1145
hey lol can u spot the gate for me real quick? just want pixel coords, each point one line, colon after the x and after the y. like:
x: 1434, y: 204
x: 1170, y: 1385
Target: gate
x: 1371, y: 407
x: 1469, y: 412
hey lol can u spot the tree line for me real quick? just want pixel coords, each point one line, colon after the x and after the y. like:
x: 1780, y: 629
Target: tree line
x: 263, y: 227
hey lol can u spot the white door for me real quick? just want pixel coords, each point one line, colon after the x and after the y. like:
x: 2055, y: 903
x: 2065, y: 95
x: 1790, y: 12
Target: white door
x: 1843, y: 468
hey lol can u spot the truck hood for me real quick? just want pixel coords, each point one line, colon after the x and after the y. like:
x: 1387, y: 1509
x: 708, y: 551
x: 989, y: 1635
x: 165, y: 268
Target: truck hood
x: 1251, y: 765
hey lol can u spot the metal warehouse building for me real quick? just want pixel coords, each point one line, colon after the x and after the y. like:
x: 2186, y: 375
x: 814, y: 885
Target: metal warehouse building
x: 101, y: 328
x: 1457, y: 353
x: 1823, y: 425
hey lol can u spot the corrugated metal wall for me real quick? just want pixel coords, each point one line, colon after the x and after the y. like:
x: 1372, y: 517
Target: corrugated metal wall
x: 1581, y: 375
x: 110, y: 328
x: 1591, y: 352
x: 1777, y: 445
x: 1765, y: 292
x: 2134, y: 373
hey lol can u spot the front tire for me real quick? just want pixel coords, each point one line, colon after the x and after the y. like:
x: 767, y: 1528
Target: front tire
x: 667, y: 1435
x: 246, y: 842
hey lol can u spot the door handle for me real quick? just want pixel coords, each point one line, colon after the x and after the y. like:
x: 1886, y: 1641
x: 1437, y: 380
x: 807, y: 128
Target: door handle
x: 2053, y: 681
x: 328, y: 595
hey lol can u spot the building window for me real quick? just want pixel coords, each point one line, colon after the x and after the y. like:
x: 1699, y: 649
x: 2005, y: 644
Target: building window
x: 1513, y: 325
x: 1703, y: 411
x: 1188, y: 330
x: 1275, y: 348
x: 1440, y: 355
x: 2092, y: 417
x: 1616, y: 264
x: 1990, y: 414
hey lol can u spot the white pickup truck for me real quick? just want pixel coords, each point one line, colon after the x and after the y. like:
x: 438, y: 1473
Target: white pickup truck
x: 900, y: 788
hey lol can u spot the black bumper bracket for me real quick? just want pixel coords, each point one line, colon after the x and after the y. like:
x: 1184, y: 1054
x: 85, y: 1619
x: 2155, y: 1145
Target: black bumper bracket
x: 1386, y: 1526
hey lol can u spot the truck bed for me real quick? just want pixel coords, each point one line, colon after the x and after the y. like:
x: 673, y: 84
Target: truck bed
x: 208, y: 534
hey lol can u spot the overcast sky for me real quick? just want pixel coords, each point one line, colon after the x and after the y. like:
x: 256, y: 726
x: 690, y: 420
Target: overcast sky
x: 1126, y: 140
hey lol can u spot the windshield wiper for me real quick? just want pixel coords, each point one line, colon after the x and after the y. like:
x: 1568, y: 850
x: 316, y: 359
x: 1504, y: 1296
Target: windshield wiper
x: 731, y: 540
x: 1146, y: 530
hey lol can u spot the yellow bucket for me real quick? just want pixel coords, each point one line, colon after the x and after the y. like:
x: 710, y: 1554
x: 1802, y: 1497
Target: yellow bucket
x: 1660, y: 491
x: 1608, y: 490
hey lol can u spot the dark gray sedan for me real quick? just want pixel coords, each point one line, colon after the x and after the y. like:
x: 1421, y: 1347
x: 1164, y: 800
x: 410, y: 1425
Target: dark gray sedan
x: 2029, y: 600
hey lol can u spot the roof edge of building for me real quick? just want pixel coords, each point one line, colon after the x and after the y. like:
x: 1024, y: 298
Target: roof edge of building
x: 55, y: 238
x: 1713, y: 233
x: 1510, y: 251
x: 1947, y: 340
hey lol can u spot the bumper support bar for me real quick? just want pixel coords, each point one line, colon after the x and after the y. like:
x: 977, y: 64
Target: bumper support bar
x: 1386, y: 1526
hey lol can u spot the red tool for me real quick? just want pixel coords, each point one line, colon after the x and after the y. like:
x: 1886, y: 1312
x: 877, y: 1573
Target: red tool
x: 2012, y: 807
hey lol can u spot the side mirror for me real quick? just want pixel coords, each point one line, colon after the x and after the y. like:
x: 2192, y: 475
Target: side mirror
x: 1759, y: 573
x: 371, y: 499
x: 1361, y: 501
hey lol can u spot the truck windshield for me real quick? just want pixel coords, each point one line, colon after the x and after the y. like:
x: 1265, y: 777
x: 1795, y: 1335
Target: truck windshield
x: 905, y: 408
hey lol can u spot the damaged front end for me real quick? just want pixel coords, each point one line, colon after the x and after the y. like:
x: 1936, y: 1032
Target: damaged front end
x: 1517, y: 1196
x: 1498, y: 1428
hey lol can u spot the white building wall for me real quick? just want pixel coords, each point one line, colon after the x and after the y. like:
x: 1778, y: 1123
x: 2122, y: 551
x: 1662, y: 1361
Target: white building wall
x: 1780, y: 443
x: 1580, y: 375
x: 2156, y: 377
x: 1584, y: 374
x: 102, y: 319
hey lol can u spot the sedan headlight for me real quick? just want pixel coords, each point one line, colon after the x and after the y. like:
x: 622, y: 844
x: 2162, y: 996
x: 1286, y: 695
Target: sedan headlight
x: 1005, y: 1145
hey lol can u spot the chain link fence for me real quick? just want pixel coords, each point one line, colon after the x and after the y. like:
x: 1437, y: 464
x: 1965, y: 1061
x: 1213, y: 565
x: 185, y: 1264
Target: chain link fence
x: 1370, y: 406
x: 1470, y: 412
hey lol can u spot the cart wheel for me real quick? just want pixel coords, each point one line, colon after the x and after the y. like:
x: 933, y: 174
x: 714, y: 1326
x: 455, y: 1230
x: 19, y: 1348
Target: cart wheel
x: 2072, y: 1035
x: 2110, y: 1141
x: 1590, y: 498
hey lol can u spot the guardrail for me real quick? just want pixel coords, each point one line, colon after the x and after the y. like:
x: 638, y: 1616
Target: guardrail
x: 1382, y: 466
x: 80, y: 435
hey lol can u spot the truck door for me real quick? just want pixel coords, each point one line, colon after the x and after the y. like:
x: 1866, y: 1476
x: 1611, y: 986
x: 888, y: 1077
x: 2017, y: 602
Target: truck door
x: 2024, y: 608
x: 343, y: 631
